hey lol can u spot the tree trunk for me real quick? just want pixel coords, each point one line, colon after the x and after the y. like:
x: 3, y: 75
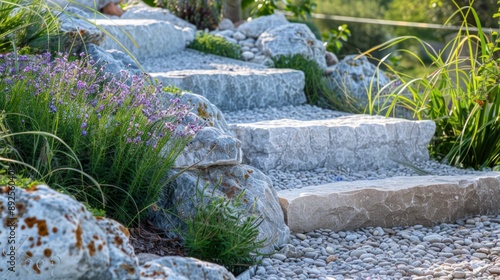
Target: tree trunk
x: 232, y: 10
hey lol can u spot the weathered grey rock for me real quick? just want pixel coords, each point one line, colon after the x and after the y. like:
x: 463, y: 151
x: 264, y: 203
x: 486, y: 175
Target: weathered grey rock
x: 215, y: 143
x: 114, y: 60
x: 235, y: 179
x: 229, y: 84
x: 62, y: 238
x: 292, y: 39
x: 226, y: 24
x: 397, y: 201
x: 256, y: 27
x: 357, y: 78
x: 142, y: 43
x: 357, y: 142
x: 77, y: 32
x: 179, y: 268
x: 146, y: 12
x: 239, y: 36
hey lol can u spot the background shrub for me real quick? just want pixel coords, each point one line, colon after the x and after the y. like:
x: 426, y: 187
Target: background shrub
x: 208, y: 43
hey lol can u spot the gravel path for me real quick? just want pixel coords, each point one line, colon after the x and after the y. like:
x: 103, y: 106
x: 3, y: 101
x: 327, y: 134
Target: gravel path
x: 467, y: 249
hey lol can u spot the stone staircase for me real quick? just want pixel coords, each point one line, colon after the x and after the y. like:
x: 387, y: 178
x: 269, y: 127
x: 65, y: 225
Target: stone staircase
x: 355, y: 142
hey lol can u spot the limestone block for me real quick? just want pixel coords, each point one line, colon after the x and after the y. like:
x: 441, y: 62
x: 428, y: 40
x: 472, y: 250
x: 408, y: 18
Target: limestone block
x: 179, y: 268
x: 292, y: 39
x: 234, y: 90
x: 357, y: 142
x: 257, y: 26
x: 398, y: 201
x: 56, y: 237
x: 235, y: 179
x: 142, y: 37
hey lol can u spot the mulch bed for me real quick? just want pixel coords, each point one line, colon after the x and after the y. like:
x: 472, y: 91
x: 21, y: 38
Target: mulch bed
x: 149, y: 239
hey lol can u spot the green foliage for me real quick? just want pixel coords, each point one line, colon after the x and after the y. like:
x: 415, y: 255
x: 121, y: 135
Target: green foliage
x: 113, y: 130
x: 208, y: 43
x: 27, y: 24
x: 224, y: 233
x: 462, y: 96
x: 333, y: 39
x: 202, y: 13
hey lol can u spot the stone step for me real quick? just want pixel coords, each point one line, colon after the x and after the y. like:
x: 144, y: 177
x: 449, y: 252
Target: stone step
x: 228, y: 83
x: 353, y: 142
x: 143, y: 37
x: 397, y: 201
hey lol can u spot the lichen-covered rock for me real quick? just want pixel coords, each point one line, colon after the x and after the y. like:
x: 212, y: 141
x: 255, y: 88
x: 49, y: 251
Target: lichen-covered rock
x: 256, y: 27
x: 233, y: 180
x: 54, y: 235
x: 292, y: 39
x: 179, y: 268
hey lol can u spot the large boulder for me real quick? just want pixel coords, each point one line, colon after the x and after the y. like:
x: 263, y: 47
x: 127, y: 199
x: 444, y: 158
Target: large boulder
x: 54, y: 235
x: 179, y: 268
x: 259, y: 25
x: 143, y: 11
x: 292, y: 39
x: 357, y: 78
x: 225, y: 181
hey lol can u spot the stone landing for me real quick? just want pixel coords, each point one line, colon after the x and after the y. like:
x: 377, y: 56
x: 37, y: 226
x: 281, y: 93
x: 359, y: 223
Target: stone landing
x: 398, y: 201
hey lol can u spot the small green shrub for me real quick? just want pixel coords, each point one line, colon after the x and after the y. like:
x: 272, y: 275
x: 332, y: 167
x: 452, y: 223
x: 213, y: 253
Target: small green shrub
x: 115, y: 129
x: 29, y: 25
x: 202, y: 13
x: 462, y: 96
x: 208, y: 43
x: 223, y: 233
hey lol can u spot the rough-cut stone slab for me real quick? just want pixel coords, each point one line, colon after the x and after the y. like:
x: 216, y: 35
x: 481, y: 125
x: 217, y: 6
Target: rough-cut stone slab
x: 227, y: 83
x: 153, y: 37
x: 357, y: 142
x: 397, y: 201
x: 179, y: 268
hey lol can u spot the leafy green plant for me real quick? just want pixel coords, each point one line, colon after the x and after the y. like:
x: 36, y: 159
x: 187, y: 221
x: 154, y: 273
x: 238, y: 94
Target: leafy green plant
x: 462, y: 96
x: 202, y: 13
x: 29, y: 25
x: 333, y: 39
x: 208, y: 43
x: 222, y: 232
x: 300, y: 9
x: 115, y: 126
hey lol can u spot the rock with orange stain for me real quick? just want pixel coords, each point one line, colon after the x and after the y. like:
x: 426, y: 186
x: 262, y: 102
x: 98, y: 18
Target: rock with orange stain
x: 49, y: 235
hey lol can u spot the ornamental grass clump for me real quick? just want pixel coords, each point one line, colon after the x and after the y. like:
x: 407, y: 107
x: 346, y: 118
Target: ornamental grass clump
x: 116, y: 126
x: 462, y: 95
x: 29, y: 25
x: 208, y: 43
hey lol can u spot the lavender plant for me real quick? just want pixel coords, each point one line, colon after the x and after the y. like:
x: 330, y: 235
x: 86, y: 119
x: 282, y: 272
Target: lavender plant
x: 123, y: 137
